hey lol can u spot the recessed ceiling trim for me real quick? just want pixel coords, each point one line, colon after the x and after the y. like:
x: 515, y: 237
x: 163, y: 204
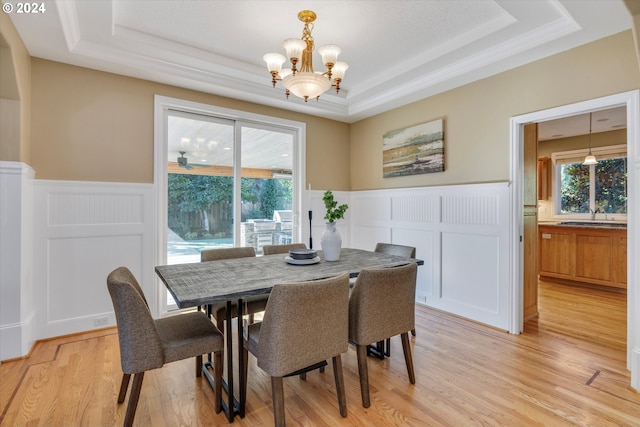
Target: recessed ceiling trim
x: 197, y: 68
x: 507, y: 34
x: 69, y: 22
x: 427, y: 83
x: 431, y: 56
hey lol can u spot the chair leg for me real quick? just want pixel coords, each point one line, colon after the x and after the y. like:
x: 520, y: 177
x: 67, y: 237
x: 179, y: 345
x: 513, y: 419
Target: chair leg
x: 133, y: 399
x: 123, y: 387
x: 303, y: 376
x: 199, y: 366
x: 406, y: 348
x: 217, y: 380
x: 219, y: 325
x: 339, y: 378
x: 413, y: 332
x: 277, y: 394
x: 363, y: 372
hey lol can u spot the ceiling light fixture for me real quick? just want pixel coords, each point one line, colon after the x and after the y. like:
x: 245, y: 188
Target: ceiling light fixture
x: 590, y: 159
x: 304, y: 82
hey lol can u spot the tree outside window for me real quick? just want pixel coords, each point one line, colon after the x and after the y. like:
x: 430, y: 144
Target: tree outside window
x: 595, y: 188
x: 201, y: 206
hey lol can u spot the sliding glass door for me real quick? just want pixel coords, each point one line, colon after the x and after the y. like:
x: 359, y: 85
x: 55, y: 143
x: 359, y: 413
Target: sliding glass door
x: 229, y: 182
x: 199, y: 185
x: 266, y: 187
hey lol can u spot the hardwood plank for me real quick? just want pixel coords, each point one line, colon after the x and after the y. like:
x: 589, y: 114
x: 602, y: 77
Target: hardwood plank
x: 566, y: 369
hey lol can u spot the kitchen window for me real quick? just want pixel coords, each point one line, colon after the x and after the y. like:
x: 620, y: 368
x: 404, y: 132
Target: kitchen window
x: 589, y: 189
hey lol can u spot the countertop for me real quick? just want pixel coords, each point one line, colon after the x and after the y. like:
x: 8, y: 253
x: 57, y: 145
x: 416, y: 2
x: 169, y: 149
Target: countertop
x: 616, y: 225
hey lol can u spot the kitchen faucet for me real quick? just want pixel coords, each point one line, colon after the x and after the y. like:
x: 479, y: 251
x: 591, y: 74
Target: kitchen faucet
x: 593, y: 213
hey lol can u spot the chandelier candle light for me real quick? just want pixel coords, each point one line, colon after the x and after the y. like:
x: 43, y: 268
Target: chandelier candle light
x: 304, y: 82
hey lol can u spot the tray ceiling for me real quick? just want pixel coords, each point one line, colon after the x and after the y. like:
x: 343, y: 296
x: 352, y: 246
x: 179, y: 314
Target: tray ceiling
x: 398, y: 51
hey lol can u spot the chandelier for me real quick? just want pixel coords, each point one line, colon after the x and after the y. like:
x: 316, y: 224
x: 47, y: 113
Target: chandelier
x: 303, y: 81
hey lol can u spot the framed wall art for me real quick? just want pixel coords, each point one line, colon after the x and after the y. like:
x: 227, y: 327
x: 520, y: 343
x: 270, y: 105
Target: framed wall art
x: 413, y: 150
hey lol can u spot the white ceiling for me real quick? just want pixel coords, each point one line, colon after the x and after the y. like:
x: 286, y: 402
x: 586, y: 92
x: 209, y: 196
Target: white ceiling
x: 582, y: 124
x: 398, y: 51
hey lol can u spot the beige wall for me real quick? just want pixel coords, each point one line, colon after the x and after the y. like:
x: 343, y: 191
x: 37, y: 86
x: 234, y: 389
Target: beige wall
x: 477, y: 115
x: 15, y: 92
x: 95, y: 126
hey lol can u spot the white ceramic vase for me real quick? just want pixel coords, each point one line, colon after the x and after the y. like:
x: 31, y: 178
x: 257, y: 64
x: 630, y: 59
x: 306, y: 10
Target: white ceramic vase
x: 331, y: 242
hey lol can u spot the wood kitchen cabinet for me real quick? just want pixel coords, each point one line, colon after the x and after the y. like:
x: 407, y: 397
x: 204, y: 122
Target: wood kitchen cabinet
x: 583, y: 254
x: 544, y: 178
x: 556, y: 249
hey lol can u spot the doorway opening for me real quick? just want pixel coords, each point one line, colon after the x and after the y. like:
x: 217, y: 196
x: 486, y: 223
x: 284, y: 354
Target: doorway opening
x: 581, y: 270
x: 630, y: 100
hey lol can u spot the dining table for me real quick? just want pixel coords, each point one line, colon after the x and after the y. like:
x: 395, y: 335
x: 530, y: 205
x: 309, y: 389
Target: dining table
x: 234, y: 280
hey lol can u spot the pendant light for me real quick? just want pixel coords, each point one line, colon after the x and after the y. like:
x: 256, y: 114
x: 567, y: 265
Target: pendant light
x: 590, y: 159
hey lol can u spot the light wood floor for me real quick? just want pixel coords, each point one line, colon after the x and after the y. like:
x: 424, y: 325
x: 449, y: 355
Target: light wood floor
x: 566, y: 369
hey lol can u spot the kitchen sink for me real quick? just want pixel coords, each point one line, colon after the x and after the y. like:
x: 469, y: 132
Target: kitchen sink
x: 594, y: 224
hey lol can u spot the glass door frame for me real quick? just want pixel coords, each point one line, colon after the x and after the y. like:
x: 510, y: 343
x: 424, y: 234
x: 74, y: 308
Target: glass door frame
x: 237, y: 175
x: 162, y: 106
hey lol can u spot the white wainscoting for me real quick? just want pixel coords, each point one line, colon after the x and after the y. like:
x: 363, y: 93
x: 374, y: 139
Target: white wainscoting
x: 462, y: 234
x: 16, y: 280
x: 82, y: 231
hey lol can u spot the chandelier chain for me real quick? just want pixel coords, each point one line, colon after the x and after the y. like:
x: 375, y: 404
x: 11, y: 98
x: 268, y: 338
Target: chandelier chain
x: 307, y: 54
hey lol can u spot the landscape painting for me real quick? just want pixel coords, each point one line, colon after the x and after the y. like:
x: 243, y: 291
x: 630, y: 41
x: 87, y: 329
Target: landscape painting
x: 414, y: 150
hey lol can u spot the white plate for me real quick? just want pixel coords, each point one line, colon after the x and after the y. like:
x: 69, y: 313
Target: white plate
x: 290, y: 260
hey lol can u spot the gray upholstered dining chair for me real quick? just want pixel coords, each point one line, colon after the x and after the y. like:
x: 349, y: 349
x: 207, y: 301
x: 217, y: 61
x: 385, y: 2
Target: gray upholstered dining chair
x: 282, y: 249
x: 252, y: 305
x: 399, y: 250
x: 147, y: 344
x: 304, y: 324
x: 382, y: 305
x: 394, y: 249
